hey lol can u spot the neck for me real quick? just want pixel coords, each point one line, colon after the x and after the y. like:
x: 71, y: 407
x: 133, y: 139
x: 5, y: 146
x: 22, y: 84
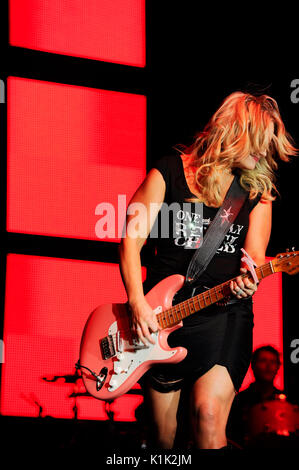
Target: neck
x: 178, y: 312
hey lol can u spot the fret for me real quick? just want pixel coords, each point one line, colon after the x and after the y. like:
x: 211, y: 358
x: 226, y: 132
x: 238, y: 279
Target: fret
x: 196, y: 300
x: 221, y: 293
x: 177, y: 315
x: 164, y: 321
x: 226, y: 289
x: 171, y: 316
x: 187, y: 308
x: 178, y: 311
x: 192, y: 305
x: 182, y: 310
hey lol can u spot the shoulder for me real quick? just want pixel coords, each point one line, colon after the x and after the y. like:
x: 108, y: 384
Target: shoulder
x: 166, y: 160
x: 252, y: 203
x: 165, y: 165
x: 260, y: 205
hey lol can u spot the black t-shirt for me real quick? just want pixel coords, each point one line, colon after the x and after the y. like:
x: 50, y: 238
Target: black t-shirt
x: 174, y: 252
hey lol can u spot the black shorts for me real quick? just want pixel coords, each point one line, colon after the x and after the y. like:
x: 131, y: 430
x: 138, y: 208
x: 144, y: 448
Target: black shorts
x: 216, y: 335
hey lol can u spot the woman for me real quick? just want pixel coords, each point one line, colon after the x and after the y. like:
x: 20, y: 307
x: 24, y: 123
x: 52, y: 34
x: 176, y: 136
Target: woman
x: 240, y: 140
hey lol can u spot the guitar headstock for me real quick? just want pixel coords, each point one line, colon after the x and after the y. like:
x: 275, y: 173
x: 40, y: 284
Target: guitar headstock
x: 286, y: 262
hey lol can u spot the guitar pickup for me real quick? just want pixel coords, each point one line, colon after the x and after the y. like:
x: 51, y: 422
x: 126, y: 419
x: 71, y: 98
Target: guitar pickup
x: 107, y: 347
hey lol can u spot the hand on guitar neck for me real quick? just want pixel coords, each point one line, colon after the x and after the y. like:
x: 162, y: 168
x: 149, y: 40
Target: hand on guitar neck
x: 242, y: 287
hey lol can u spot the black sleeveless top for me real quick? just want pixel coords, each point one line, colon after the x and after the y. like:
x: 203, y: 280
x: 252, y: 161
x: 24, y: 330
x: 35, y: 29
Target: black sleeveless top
x: 173, y: 253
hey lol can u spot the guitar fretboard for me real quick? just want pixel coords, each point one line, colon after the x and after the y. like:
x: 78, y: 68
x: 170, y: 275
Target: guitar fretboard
x: 176, y: 313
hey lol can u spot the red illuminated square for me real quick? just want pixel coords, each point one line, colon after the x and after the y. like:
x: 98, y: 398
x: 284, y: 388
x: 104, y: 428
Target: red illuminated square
x: 47, y: 302
x: 69, y: 150
x: 267, y: 308
x: 111, y: 31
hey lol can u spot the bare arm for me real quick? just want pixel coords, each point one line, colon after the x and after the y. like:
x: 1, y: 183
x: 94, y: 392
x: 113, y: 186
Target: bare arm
x: 256, y: 242
x: 259, y: 231
x: 152, y: 190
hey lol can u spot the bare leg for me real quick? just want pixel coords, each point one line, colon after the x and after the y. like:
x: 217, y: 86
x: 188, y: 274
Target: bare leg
x: 212, y: 397
x: 162, y: 411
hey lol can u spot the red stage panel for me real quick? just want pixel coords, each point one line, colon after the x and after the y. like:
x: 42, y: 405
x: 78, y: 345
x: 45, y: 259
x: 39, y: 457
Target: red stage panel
x: 268, y: 321
x: 70, y: 149
x: 111, y: 31
x: 47, y: 302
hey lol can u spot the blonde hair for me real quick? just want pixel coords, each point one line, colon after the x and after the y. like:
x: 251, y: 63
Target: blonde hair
x: 244, y: 124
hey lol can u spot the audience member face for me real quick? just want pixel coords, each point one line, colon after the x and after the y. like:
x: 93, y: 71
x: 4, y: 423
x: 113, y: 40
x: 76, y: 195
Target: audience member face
x: 266, y: 366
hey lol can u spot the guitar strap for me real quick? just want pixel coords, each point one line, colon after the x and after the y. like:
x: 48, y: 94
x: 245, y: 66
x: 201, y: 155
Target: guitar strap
x: 216, y: 232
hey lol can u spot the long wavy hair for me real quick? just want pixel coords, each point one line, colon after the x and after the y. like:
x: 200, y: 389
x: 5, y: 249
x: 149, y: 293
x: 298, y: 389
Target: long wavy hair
x: 244, y: 124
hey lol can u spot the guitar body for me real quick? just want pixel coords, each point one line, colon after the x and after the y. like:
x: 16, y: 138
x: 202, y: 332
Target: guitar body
x: 118, y: 358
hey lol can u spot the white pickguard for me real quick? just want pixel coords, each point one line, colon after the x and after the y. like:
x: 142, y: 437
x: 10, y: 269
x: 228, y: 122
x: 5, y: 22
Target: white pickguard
x: 131, y: 356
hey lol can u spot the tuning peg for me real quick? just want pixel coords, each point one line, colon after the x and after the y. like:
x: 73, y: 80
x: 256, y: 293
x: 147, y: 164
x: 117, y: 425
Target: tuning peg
x: 293, y: 248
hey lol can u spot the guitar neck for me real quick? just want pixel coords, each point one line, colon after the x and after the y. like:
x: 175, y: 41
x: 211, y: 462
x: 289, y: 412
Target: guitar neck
x: 175, y: 314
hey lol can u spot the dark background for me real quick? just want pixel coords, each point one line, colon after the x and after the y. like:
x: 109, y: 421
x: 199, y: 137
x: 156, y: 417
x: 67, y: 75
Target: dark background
x: 195, y: 58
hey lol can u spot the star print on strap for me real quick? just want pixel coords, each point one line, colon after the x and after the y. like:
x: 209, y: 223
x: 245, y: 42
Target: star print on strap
x: 226, y: 215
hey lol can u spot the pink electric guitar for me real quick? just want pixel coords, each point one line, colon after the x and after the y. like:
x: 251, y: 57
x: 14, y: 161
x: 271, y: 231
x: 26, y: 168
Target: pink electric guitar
x: 112, y: 359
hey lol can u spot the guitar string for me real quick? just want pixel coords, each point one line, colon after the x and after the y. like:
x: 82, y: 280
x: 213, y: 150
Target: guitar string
x: 216, y: 290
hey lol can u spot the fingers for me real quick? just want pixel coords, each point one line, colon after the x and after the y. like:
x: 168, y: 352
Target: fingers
x: 242, y: 287
x: 237, y: 290
x: 143, y: 321
x: 143, y: 330
x: 144, y: 335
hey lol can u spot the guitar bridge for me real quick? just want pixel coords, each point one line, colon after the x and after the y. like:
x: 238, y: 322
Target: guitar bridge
x: 107, y: 347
